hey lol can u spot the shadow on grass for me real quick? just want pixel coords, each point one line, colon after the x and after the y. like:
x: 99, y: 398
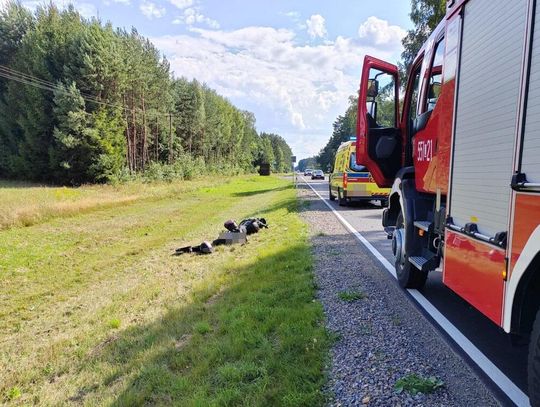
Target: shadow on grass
x: 261, y: 191
x: 259, y: 340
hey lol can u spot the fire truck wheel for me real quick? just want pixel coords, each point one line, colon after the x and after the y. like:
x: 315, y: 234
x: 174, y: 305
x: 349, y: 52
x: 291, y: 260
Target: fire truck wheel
x: 342, y: 200
x: 534, y: 363
x: 408, y: 276
x: 332, y: 196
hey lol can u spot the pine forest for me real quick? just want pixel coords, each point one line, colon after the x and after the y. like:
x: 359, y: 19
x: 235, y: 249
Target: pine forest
x: 83, y: 102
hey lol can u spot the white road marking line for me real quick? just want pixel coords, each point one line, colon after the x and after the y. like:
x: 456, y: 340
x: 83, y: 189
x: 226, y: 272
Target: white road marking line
x: 512, y: 391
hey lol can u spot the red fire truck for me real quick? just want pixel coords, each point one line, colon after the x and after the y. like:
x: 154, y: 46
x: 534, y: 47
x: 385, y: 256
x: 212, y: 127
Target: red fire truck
x: 461, y: 151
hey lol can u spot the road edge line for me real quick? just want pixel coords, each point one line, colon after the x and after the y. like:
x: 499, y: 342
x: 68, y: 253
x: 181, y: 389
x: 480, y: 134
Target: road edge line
x: 507, y: 386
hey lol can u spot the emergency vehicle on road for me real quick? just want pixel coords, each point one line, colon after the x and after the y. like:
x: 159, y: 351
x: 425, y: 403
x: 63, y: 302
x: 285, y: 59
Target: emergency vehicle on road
x: 463, y: 161
x: 351, y: 181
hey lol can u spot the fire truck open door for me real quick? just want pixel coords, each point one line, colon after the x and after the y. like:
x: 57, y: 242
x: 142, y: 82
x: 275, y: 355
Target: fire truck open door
x: 378, y: 139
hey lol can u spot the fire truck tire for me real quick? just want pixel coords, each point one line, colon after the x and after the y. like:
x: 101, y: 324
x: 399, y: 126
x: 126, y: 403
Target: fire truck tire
x: 408, y: 276
x: 534, y: 363
x: 332, y: 196
x: 342, y: 200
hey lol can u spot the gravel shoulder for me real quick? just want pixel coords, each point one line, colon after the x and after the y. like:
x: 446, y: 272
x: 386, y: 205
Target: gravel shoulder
x: 382, y: 337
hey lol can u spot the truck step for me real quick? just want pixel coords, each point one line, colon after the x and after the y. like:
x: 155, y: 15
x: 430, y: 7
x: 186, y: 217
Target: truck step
x: 419, y: 262
x: 423, y: 224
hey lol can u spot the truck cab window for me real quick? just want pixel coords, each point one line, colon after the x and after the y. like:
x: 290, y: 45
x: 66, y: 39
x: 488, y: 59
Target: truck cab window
x: 413, y: 103
x: 435, y: 77
x: 381, y: 100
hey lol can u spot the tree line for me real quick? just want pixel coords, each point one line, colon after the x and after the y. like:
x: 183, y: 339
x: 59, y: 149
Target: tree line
x: 425, y: 15
x: 83, y: 102
x: 306, y: 163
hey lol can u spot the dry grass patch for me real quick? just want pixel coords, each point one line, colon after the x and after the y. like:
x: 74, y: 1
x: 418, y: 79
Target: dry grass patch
x: 26, y: 204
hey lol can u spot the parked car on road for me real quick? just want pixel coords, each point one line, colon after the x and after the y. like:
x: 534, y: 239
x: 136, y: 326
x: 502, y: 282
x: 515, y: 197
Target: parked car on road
x: 317, y: 174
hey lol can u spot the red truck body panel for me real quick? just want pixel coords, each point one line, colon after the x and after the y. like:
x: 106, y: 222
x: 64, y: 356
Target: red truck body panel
x: 526, y: 219
x: 474, y: 270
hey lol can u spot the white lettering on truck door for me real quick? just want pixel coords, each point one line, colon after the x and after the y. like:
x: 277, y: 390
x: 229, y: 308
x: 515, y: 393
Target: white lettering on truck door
x: 425, y: 150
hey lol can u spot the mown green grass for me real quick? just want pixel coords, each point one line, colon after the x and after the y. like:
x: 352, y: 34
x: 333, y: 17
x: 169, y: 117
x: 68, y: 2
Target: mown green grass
x: 94, y: 309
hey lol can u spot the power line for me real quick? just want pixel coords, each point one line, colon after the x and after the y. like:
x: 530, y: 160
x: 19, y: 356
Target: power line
x: 30, y: 80
x: 41, y: 83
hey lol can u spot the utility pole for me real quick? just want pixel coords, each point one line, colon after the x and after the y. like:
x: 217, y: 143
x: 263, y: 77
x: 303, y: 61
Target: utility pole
x: 170, y: 139
x: 293, y: 161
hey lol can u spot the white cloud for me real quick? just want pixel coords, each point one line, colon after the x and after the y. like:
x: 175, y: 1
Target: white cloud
x: 151, y: 10
x: 87, y: 10
x: 32, y: 5
x: 292, y: 14
x: 182, y: 4
x: 124, y: 2
x: 192, y: 16
x: 316, y: 26
x: 295, y: 89
x: 378, y: 32
x: 297, y: 120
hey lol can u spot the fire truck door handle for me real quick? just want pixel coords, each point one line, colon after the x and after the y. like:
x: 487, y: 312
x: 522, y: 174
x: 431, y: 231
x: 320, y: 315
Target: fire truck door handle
x: 520, y: 183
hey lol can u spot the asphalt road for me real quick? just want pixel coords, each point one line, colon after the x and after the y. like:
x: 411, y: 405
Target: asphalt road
x: 485, y: 335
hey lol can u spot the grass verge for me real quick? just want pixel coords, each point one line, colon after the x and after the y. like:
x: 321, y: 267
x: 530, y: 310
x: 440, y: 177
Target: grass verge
x: 95, y: 310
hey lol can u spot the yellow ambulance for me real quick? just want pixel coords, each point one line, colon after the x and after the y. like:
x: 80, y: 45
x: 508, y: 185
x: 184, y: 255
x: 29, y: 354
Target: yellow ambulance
x: 350, y: 181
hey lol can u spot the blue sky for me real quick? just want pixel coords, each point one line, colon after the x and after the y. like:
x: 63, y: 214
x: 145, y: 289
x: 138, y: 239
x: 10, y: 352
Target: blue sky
x: 292, y: 63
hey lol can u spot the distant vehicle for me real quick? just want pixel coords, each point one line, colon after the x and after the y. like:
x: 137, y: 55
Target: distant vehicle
x: 264, y: 169
x: 308, y: 171
x: 350, y: 181
x: 317, y: 174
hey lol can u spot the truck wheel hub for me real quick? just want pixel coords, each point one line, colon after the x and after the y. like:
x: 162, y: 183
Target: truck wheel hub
x: 397, y: 244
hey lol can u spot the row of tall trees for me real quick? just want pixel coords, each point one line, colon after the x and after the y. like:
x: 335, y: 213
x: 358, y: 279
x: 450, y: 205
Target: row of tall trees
x: 81, y: 102
x: 276, y: 151
x: 305, y: 163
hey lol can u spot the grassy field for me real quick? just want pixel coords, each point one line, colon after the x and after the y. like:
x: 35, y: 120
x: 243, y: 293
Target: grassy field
x: 94, y: 310
x: 24, y: 204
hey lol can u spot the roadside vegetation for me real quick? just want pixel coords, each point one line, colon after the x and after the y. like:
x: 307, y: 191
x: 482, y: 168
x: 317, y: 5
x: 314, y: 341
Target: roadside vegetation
x: 84, y: 102
x: 351, y: 296
x: 94, y: 309
x: 415, y: 384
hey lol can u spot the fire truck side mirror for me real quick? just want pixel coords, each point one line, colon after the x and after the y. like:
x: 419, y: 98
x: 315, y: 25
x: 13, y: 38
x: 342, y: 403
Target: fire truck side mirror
x: 373, y: 88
